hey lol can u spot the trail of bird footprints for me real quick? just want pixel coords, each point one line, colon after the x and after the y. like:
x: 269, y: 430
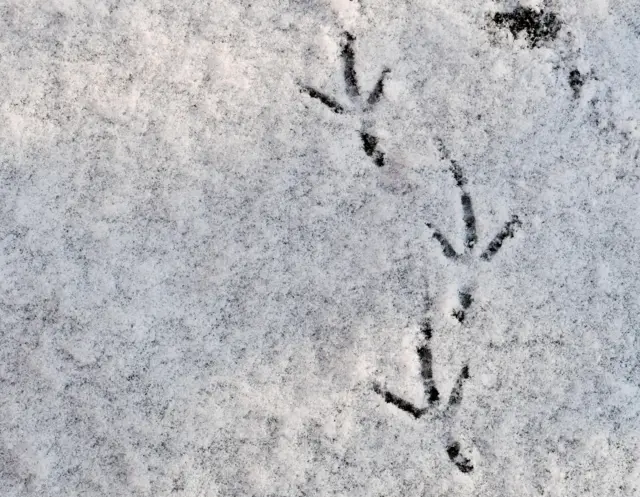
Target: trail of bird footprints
x: 465, y: 299
x: 435, y: 408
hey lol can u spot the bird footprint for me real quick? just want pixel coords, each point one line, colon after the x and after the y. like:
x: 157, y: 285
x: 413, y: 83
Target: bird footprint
x: 434, y: 406
x: 508, y: 230
x: 359, y: 106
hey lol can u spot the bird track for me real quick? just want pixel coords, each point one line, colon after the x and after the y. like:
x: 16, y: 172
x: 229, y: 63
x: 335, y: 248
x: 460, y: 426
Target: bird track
x: 434, y: 406
x: 359, y: 105
x: 435, y: 409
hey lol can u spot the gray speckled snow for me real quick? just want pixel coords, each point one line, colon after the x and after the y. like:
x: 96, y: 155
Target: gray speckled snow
x: 329, y: 248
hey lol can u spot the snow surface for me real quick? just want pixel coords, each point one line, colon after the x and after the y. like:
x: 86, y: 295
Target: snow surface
x: 205, y: 278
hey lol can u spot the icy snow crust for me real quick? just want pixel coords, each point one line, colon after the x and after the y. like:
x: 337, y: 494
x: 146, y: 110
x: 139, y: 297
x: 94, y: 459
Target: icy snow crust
x: 329, y: 248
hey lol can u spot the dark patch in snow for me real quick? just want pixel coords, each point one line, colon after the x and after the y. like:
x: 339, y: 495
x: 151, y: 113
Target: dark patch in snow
x: 538, y: 26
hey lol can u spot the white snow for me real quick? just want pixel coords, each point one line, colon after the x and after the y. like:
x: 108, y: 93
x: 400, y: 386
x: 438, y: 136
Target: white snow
x: 203, y: 273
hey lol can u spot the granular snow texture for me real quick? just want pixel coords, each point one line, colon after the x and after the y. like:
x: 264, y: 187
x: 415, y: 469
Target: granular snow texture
x: 332, y: 248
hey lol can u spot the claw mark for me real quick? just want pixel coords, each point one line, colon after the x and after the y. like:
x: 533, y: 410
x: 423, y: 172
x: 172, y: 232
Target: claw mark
x: 447, y: 249
x: 576, y: 80
x: 426, y: 365
x: 349, y: 58
x: 456, y: 392
x: 462, y: 463
x: 325, y: 99
x: 376, y: 94
x: 369, y: 140
x: 457, y: 173
x: 467, y: 209
x: 507, y: 231
x: 465, y: 299
x: 459, y: 315
x: 469, y: 219
x: 399, y: 402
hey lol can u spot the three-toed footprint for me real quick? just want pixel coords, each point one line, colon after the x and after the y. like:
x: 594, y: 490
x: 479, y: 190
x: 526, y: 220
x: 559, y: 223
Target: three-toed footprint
x: 359, y: 106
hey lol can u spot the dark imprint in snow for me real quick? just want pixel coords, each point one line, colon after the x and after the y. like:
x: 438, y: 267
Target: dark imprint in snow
x: 508, y: 230
x: 470, y: 234
x: 538, y: 26
x: 576, y: 80
x: 432, y: 395
x: 465, y: 299
x: 369, y: 141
